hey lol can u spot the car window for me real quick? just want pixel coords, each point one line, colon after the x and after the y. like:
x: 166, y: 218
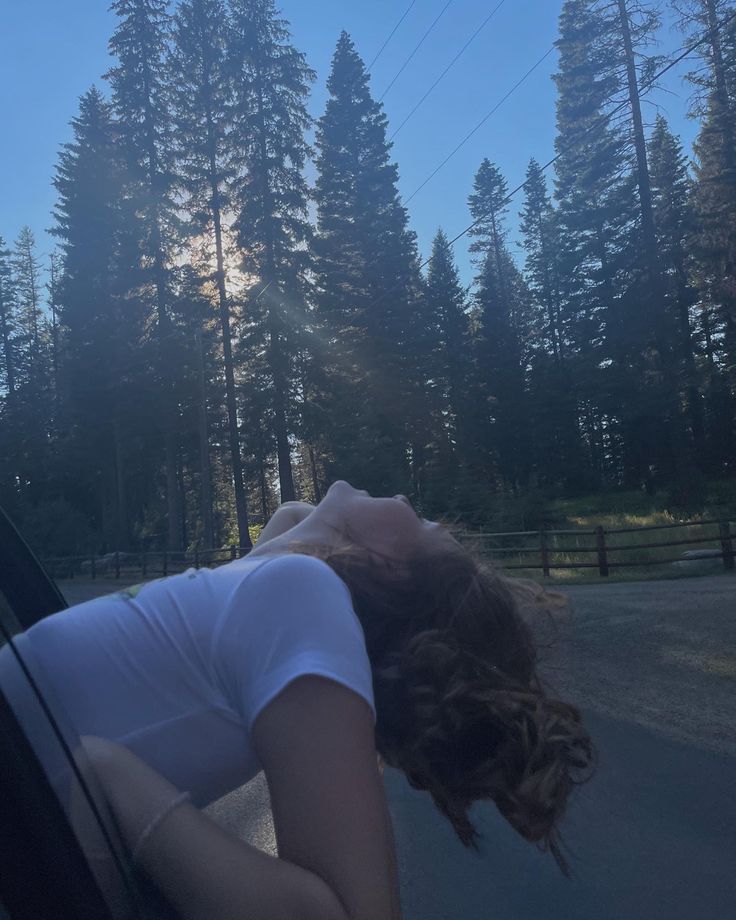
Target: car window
x: 8, y: 619
x: 53, y: 740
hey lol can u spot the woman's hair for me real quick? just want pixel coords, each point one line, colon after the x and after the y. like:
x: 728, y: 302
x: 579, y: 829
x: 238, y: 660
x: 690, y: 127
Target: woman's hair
x: 460, y: 708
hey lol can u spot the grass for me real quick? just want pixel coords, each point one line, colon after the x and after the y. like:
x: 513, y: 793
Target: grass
x: 639, y: 552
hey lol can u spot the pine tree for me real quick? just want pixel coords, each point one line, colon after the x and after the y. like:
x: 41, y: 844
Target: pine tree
x: 503, y: 303
x: 102, y: 325
x: 8, y: 445
x: 447, y: 306
x: 674, y: 223
x: 271, y: 80
x: 596, y: 215
x: 553, y: 396
x: 451, y: 367
x: 714, y: 242
x: 367, y: 289
x: 32, y: 403
x: 704, y: 19
x: 542, y: 243
x: 141, y: 101
x: 28, y: 287
x: 488, y: 207
x: 195, y: 316
x: 714, y: 250
x: 201, y: 83
x: 7, y: 320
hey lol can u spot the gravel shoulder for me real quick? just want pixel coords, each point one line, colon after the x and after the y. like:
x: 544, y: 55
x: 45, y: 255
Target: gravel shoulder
x: 661, y: 654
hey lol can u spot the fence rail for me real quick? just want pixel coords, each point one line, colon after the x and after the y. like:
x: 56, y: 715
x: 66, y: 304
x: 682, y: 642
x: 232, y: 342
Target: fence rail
x: 545, y: 550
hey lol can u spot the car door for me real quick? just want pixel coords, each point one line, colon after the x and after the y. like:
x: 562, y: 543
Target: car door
x: 44, y: 871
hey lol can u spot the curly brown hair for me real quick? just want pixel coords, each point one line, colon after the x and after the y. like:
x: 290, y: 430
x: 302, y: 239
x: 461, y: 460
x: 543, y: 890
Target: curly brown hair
x: 460, y: 708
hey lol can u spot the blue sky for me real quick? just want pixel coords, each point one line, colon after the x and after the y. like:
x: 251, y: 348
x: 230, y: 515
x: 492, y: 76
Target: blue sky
x: 51, y: 51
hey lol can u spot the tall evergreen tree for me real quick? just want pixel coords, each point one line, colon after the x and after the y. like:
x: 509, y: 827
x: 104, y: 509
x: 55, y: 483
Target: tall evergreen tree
x: 202, y: 89
x: 451, y: 369
x: 367, y: 285
x: 7, y: 320
x: 714, y: 250
x: 271, y: 80
x: 489, y: 207
x: 705, y: 19
x: 555, y: 447
x: 32, y: 403
x: 714, y: 242
x: 596, y: 215
x: 542, y: 243
x: 629, y: 29
x: 503, y: 311
x: 28, y: 287
x: 141, y: 101
x: 102, y: 324
x: 8, y: 446
x: 674, y: 223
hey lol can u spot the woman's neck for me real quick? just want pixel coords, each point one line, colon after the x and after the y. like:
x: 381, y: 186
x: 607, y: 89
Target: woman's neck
x: 310, y: 531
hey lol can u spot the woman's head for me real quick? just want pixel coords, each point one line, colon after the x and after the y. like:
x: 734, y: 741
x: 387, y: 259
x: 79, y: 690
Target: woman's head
x: 384, y: 528
x: 460, y: 708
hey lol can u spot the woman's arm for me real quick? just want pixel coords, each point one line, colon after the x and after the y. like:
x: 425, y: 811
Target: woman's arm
x: 203, y: 870
x: 286, y: 516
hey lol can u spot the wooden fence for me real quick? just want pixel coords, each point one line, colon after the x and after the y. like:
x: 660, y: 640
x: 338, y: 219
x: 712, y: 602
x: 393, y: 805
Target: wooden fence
x: 606, y: 549
x: 543, y: 550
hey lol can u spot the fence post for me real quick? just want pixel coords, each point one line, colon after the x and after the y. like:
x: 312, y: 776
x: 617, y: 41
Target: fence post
x: 545, y: 550
x: 144, y: 565
x: 600, y: 539
x: 117, y: 564
x: 233, y: 552
x: 93, y: 568
x: 726, y: 544
x: 166, y: 563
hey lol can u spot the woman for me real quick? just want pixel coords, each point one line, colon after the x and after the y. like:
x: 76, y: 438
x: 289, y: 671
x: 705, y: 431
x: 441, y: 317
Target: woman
x: 351, y: 627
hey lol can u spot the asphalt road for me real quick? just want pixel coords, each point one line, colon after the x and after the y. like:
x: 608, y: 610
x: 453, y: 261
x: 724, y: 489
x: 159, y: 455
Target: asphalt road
x: 653, y: 835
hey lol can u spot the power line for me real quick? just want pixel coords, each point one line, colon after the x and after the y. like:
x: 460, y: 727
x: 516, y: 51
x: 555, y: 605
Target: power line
x: 419, y: 45
x: 483, y: 120
x: 451, y: 64
x: 685, y: 52
x: 381, y: 50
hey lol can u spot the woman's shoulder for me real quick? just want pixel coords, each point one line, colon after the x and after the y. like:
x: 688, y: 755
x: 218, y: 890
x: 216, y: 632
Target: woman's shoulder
x: 282, y: 562
x: 300, y: 567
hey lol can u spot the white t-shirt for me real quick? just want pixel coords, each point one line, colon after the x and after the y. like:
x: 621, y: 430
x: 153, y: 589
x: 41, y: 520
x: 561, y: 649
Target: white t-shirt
x: 178, y: 669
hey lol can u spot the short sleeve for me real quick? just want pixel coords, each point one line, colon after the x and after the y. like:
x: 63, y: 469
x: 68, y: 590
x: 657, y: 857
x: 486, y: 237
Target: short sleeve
x: 290, y: 617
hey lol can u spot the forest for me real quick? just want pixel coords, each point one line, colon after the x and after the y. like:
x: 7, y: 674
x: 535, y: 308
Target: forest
x: 218, y: 335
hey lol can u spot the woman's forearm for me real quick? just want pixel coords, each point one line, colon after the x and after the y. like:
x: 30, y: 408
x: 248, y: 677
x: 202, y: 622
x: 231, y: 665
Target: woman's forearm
x: 201, y: 869
x: 206, y: 872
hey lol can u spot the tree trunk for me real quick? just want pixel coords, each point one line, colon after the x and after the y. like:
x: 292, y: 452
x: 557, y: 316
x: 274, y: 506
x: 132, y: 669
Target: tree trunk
x: 264, y: 488
x: 241, y: 506
x: 122, y: 540
x: 276, y: 354
x: 205, y: 467
x: 315, y: 481
x: 170, y: 407
x: 693, y: 397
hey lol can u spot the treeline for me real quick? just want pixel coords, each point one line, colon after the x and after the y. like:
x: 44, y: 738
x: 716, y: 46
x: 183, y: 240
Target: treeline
x: 216, y: 336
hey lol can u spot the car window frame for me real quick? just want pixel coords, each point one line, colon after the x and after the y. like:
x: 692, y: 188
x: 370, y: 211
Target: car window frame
x: 29, y: 590
x: 37, y: 841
